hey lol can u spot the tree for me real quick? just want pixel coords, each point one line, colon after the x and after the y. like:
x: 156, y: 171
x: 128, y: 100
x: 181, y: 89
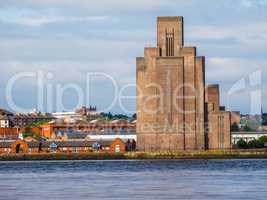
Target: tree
x: 120, y: 116
x: 37, y: 136
x: 264, y: 119
x: 247, y: 128
x: 27, y: 134
x: 107, y: 116
x: 134, y: 116
x: 234, y: 127
x: 263, y: 140
x: 255, y: 144
x: 110, y: 116
x: 242, y: 144
x: 38, y: 123
x: 28, y: 131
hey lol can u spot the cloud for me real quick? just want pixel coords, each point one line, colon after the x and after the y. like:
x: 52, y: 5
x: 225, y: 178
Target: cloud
x: 39, y: 20
x: 101, y: 5
x: 72, y: 37
x: 230, y: 70
x: 121, y: 70
x: 62, y: 74
x: 245, y: 5
x: 253, y: 3
x: 236, y: 40
x: 246, y: 33
x: 68, y: 49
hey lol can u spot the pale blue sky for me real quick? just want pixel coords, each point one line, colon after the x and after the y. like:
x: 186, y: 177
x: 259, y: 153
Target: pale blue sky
x: 71, y: 37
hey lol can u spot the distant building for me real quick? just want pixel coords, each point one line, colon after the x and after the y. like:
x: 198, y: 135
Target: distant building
x: 6, y: 118
x: 235, y: 117
x: 93, y: 128
x: 262, y: 128
x: 82, y: 114
x: 69, y: 117
x: 247, y: 136
x: 26, y: 119
x: 4, y: 122
x: 22, y: 120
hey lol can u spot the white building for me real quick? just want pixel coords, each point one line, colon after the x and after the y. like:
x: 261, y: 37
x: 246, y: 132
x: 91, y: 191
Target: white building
x: 112, y: 137
x: 247, y: 136
x: 4, y: 122
x: 69, y: 117
x: 77, y: 115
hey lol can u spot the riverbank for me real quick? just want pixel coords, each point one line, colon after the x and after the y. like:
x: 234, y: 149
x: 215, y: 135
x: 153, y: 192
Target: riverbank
x: 218, y: 154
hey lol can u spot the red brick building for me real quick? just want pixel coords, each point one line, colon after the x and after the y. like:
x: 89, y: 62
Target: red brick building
x: 93, y: 127
x: 82, y: 146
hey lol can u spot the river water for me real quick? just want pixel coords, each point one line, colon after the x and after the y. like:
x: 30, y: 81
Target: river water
x: 147, y: 179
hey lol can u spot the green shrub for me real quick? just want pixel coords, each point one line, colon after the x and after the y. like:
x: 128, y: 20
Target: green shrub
x: 242, y: 144
x: 248, y: 128
x: 27, y: 133
x: 263, y: 139
x: 255, y: 144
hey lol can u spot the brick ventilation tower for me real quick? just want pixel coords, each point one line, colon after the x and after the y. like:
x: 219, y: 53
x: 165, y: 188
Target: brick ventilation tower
x: 170, y: 94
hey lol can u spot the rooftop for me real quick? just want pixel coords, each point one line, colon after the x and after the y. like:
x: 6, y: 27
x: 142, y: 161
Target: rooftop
x: 170, y: 18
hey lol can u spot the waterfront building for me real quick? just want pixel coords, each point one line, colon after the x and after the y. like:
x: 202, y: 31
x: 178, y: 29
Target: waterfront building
x: 94, y: 128
x: 69, y: 146
x: 173, y: 112
x: 10, y: 133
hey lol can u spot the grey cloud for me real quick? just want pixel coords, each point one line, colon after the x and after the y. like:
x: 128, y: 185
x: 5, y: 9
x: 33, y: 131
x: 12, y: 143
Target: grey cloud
x: 57, y: 49
x: 233, y: 69
x: 38, y: 20
x: 102, y: 5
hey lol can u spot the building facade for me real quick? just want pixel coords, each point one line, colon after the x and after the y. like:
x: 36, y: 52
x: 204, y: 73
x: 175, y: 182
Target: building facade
x: 170, y: 81
x: 83, y: 146
x: 218, y: 134
x: 95, y: 128
x: 10, y: 133
x: 171, y: 111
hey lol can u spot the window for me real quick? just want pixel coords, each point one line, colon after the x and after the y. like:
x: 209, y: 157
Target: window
x: 170, y: 43
x: 117, y: 148
x: 221, y: 132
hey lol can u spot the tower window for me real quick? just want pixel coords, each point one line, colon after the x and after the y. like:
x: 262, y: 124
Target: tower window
x: 170, y: 43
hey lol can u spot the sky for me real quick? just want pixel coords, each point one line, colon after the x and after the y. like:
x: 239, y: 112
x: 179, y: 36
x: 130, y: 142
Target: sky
x: 49, y: 49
